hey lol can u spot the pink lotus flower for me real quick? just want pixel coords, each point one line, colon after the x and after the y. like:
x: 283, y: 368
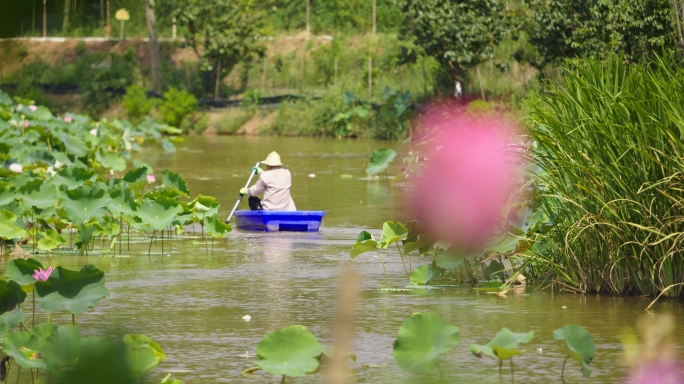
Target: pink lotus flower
x: 93, y: 131
x: 468, y: 178
x: 16, y: 168
x: 42, y: 275
x: 33, y: 108
x: 150, y: 179
x: 67, y: 119
x: 26, y: 124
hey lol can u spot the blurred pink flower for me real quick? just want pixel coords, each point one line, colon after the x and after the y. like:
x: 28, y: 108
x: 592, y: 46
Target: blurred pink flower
x: 26, y: 124
x: 33, y: 108
x: 67, y: 119
x: 150, y: 179
x: 42, y: 275
x: 16, y: 168
x: 469, y: 177
x: 658, y: 372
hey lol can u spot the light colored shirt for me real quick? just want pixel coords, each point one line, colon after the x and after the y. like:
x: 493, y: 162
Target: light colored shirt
x: 275, y: 185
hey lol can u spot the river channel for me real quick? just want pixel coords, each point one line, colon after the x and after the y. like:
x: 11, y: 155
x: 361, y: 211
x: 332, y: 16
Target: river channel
x: 192, y: 303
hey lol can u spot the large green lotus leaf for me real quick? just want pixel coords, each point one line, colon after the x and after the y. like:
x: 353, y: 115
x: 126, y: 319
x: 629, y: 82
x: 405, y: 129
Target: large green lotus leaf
x: 65, y: 349
x: 142, y: 354
x: 74, y: 145
x: 85, y: 234
x: 39, y: 193
x: 137, y: 178
x: 122, y: 199
x: 380, y: 159
x: 364, y: 243
x: 9, y: 320
x: 21, y: 270
x: 159, y: 213
x: 25, y: 347
x: 82, y: 203
x: 422, y: 275
x: 109, y: 226
x: 205, y: 206
x: 579, y: 344
x: 175, y: 182
x: 22, y: 179
x: 8, y: 226
x: 391, y: 233
x: 73, y: 177
x: 291, y: 351
x: 449, y: 260
x: 7, y: 193
x: 421, y: 245
x: 50, y: 240
x: 75, y: 290
x: 503, y: 346
x: 17, y: 209
x: 216, y: 227
x: 421, y: 340
x: 11, y: 295
x: 111, y: 160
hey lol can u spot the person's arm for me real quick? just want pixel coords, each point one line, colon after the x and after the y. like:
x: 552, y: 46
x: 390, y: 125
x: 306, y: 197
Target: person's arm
x: 256, y: 189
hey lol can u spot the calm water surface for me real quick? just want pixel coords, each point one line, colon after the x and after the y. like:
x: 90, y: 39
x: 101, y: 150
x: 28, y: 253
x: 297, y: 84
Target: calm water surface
x: 192, y: 303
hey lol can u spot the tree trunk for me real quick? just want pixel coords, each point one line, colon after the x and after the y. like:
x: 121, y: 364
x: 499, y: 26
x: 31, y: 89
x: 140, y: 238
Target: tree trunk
x: 108, y: 28
x: 154, y: 45
x: 44, y: 18
x: 374, y: 16
x: 65, y: 22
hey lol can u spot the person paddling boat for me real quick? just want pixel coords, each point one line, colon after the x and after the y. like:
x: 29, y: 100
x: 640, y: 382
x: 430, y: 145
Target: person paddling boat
x: 274, y: 183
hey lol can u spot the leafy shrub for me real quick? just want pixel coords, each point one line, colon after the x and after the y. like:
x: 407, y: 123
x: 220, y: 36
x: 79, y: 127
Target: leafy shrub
x: 232, y: 120
x: 101, y: 76
x: 136, y: 103
x: 177, y: 106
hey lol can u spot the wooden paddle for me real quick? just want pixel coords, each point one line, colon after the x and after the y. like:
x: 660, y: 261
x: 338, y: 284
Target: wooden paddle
x: 240, y: 198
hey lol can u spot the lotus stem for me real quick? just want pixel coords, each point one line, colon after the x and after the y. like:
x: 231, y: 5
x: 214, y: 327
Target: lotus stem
x: 18, y: 374
x: 441, y: 375
x: 282, y: 380
x: 402, y: 258
x: 382, y: 259
x: 120, y: 230
x: 73, y: 319
x: 512, y: 377
x: 48, y: 317
x: 563, y: 369
x: 33, y: 380
x: 500, y: 374
x: 150, y: 248
x: 33, y: 316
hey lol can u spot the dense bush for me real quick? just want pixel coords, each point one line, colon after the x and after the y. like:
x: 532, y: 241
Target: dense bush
x: 136, y: 103
x: 177, y: 106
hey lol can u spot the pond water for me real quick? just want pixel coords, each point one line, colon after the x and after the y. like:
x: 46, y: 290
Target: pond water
x: 191, y: 302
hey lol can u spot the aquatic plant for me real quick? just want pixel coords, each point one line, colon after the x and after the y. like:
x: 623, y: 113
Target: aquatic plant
x: 291, y: 351
x: 142, y: 354
x: 503, y: 346
x: 380, y: 160
x: 422, y: 338
x: 392, y: 233
x: 579, y: 344
x: 74, y: 290
x: 609, y: 143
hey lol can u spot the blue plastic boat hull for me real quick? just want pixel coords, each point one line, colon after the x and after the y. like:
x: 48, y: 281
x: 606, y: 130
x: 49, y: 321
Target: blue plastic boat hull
x: 279, y: 221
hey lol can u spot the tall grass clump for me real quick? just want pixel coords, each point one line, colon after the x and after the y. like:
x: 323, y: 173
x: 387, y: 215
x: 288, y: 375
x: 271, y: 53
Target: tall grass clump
x: 610, y: 145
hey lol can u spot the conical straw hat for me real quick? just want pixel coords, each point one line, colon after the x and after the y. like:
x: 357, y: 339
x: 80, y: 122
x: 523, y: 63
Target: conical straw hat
x: 272, y: 160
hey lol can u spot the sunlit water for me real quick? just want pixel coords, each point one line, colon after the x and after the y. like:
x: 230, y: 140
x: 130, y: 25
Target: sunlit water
x: 191, y: 301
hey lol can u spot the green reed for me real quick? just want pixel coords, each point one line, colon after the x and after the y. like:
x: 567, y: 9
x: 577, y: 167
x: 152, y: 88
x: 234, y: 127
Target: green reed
x: 609, y: 143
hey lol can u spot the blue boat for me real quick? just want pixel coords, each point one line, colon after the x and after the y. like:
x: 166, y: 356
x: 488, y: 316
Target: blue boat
x: 279, y: 221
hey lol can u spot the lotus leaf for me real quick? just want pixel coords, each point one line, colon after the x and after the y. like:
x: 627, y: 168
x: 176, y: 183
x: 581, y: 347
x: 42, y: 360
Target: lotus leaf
x: 291, y: 351
x: 109, y: 226
x: 25, y: 346
x: 50, y: 240
x: 66, y: 348
x: 84, y: 236
x: 158, y: 214
x: 503, y: 346
x: 139, y: 163
x: 122, y: 199
x: 21, y: 180
x: 39, y: 194
x: 175, y: 182
x: 364, y: 243
x: 216, y: 227
x: 75, y: 290
x: 9, y: 320
x: 7, y: 193
x: 73, y: 177
x: 137, y: 178
x: 391, y: 233
x: 21, y: 271
x: 422, y: 275
x: 380, y: 160
x: 41, y: 113
x: 73, y: 145
x: 449, y: 260
x: 82, y: 203
x: 112, y: 160
x: 206, y: 205
x: 168, y: 146
x: 142, y: 354
x: 8, y: 226
x: 421, y: 245
x: 421, y: 340
x: 11, y: 295
x: 579, y: 344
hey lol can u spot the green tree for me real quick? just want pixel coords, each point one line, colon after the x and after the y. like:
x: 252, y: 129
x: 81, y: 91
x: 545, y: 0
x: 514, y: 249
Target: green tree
x: 223, y: 33
x: 561, y: 29
x: 459, y: 34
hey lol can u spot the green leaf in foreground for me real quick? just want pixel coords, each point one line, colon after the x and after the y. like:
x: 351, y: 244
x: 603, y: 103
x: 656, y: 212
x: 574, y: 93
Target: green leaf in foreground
x: 391, y: 233
x: 364, y: 243
x: 11, y: 295
x: 421, y: 340
x: 380, y: 160
x: 216, y: 227
x: 503, y: 346
x: 73, y: 177
x: 175, y: 182
x: 84, y: 202
x: 21, y: 270
x: 159, y: 213
x: 75, y: 290
x: 142, y: 354
x: 579, y: 344
x: 65, y: 349
x: 39, y: 193
x: 50, y: 240
x: 8, y: 226
x: 291, y: 351
x: 25, y: 346
x: 9, y: 320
